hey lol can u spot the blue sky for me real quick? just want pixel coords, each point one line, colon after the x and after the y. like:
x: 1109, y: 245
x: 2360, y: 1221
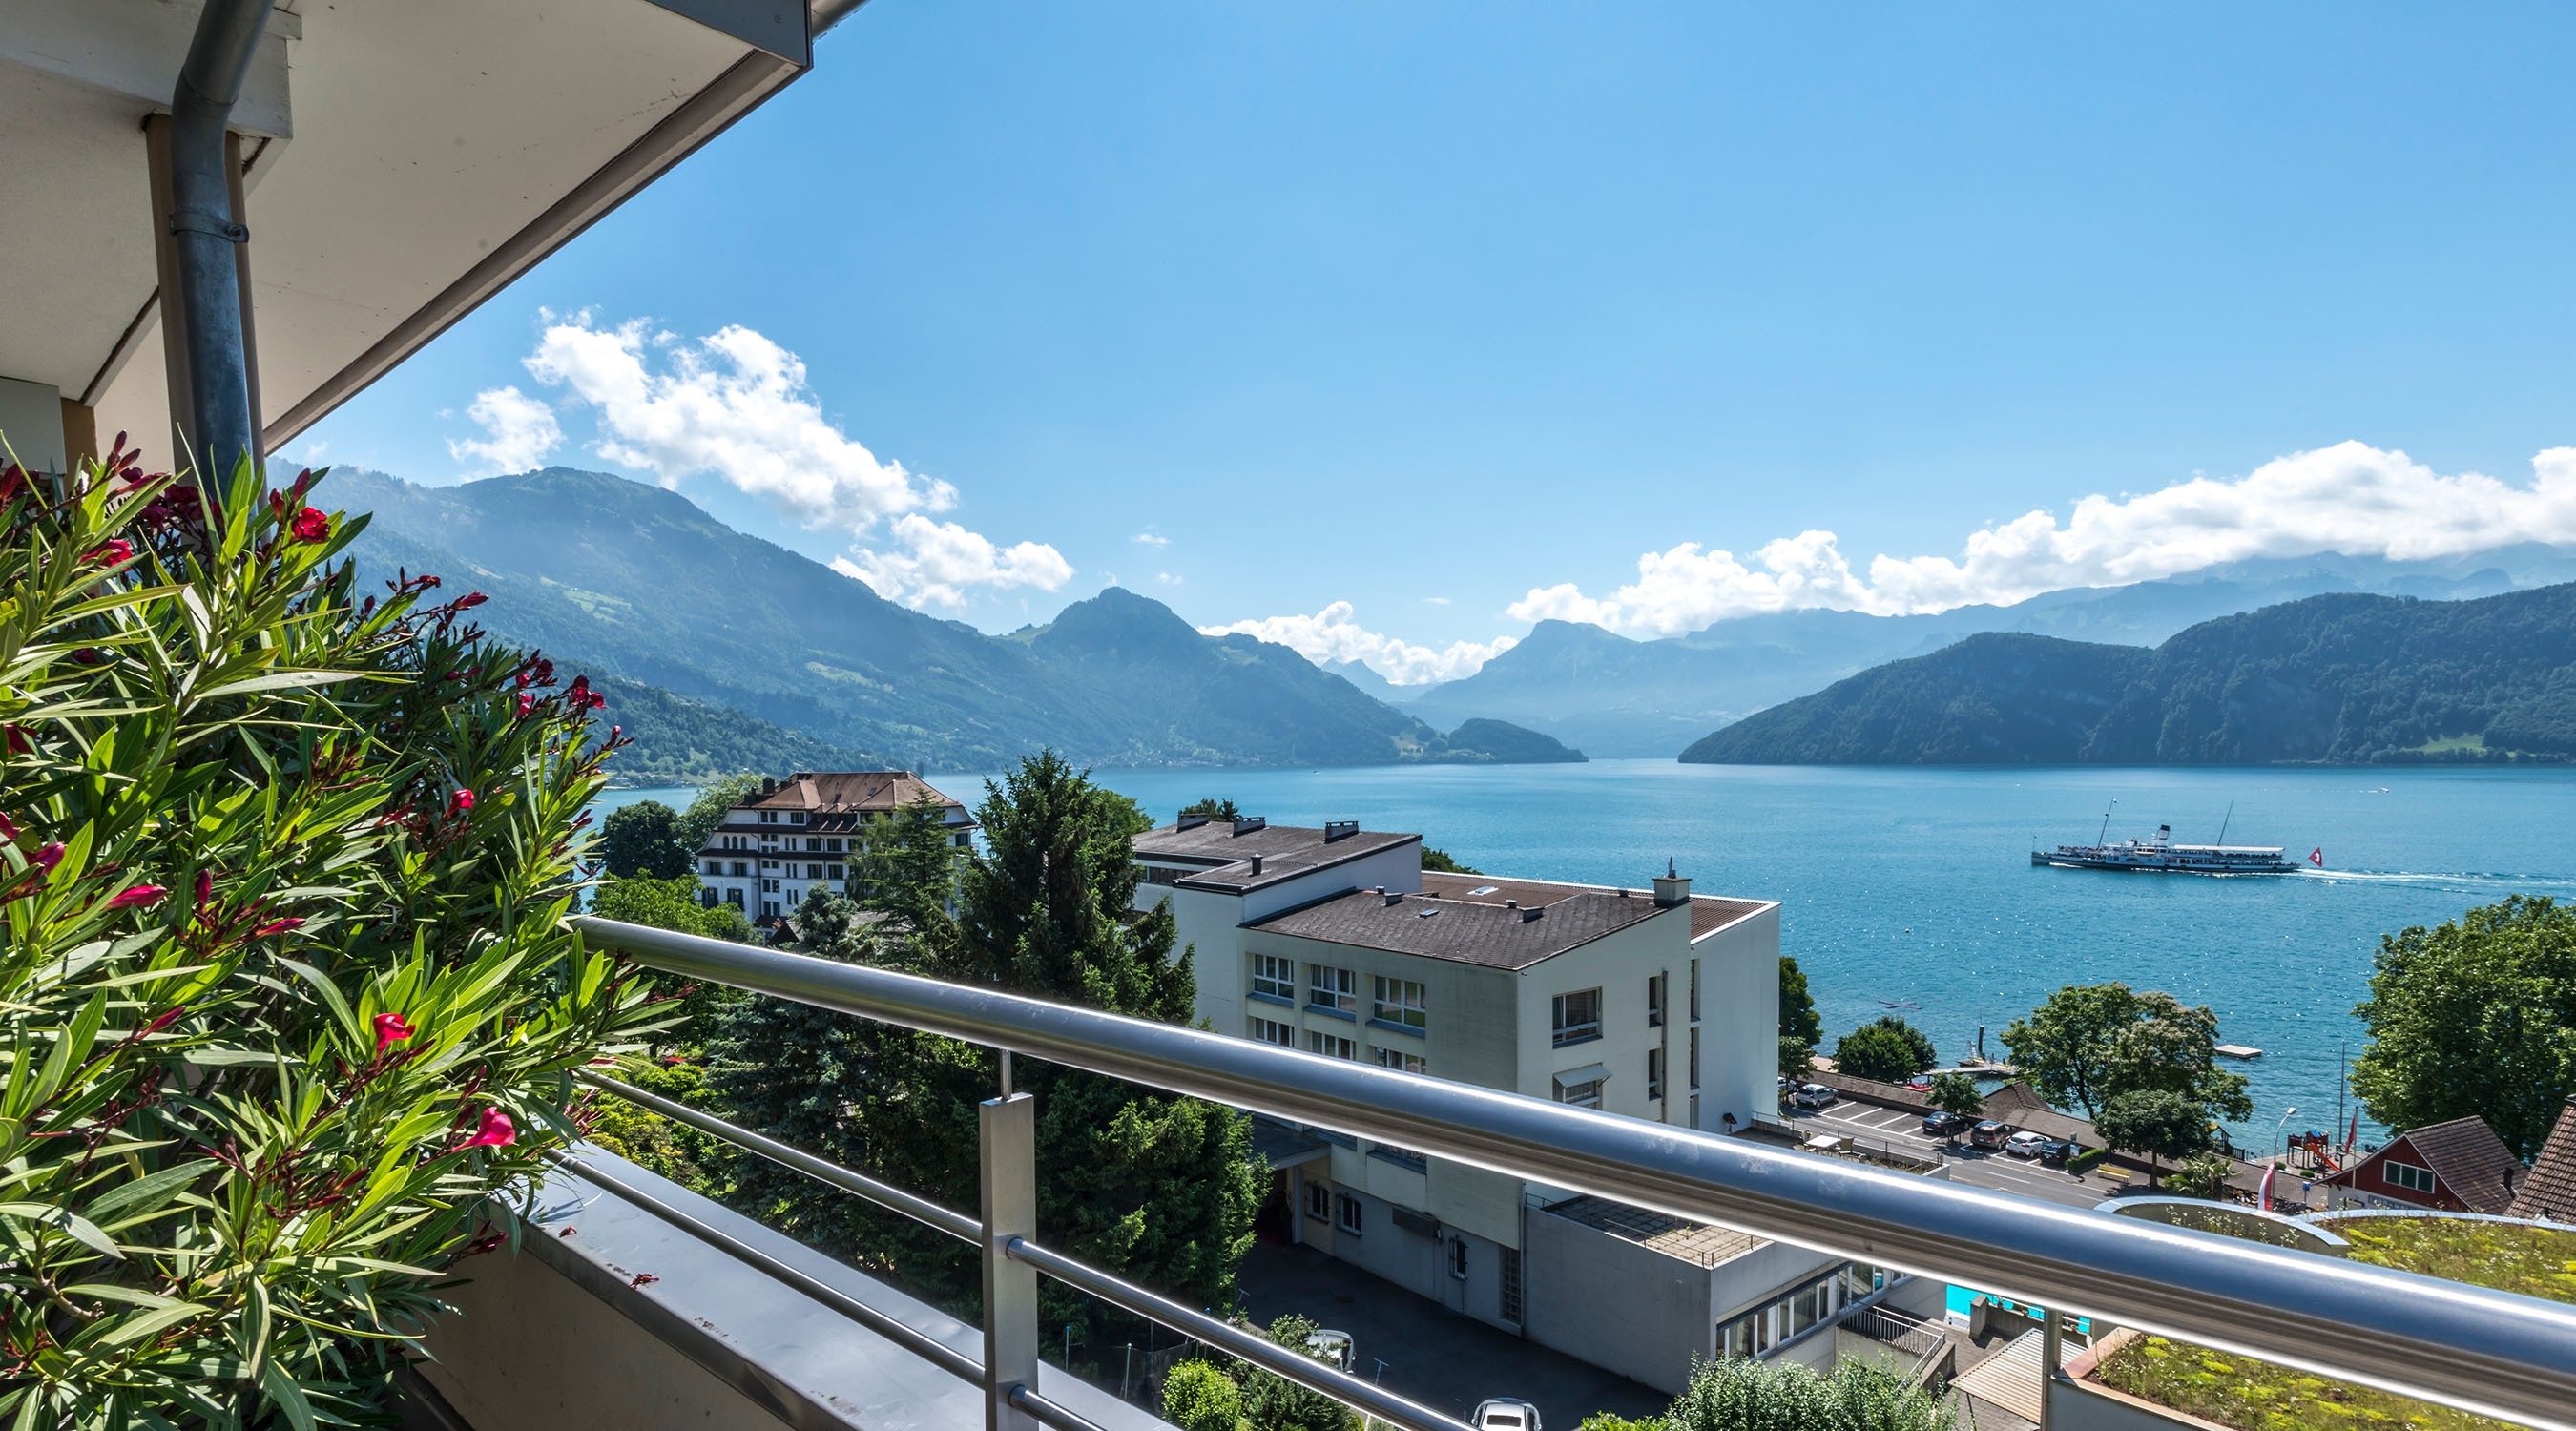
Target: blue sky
x: 1458, y: 313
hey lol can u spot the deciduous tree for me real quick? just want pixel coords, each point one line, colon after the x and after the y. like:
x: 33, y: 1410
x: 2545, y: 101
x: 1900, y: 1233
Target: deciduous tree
x: 1875, y: 1051
x: 2476, y: 1017
x: 643, y: 839
x: 2154, y: 1122
x: 707, y: 811
x: 1798, y: 1017
x: 1958, y: 1093
x: 2065, y: 1048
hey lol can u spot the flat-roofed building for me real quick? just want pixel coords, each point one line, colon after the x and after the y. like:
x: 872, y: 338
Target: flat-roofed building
x: 807, y: 831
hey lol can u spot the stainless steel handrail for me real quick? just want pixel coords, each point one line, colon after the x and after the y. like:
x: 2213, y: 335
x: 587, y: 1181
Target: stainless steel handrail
x: 1250, y: 1346
x: 2487, y: 1352
x: 886, y: 1195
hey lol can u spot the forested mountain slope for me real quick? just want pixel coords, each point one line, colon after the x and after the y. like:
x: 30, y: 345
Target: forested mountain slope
x: 2331, y: 679
x: 636, y: 582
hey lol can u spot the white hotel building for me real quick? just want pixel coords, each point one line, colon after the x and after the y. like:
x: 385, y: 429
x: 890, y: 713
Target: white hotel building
x: 806, y: 831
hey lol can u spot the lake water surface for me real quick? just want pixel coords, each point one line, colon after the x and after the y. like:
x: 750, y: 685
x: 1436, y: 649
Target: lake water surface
x: 1914, y: 885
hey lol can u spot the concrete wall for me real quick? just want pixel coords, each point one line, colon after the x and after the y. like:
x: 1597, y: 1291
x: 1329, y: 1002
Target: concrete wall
x: 1618, y: 964
x: 1739, y: 1020
x: 1612, y: 1303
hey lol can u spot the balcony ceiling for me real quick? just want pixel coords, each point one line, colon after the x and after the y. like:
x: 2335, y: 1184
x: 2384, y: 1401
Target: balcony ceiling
x: 410, y: 158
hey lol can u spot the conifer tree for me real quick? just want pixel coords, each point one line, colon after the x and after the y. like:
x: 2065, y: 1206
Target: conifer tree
x: 1161, y: 1189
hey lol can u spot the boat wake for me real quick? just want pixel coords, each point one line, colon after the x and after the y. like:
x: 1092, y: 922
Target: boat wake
x: 2472, y: 882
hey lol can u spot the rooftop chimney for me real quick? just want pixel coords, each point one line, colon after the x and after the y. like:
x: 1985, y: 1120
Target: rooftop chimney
x: 1511, y: 904
x: 1188, y: 822
x: 1392, y: 899
x: 1532, y: 913
x: 1256, y: 866
x: 1340, y: 830
x: 1249, y: 823
x: 1671, y: 887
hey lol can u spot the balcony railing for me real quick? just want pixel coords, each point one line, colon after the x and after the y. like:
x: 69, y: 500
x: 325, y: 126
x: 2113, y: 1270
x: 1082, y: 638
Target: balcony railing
x: 2487, y: 1352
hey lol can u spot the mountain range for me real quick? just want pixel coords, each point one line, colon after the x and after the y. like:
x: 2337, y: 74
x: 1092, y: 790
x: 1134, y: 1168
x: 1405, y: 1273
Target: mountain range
x: 810, y: 668
x: 1615, y: 696
x: 2345, y: 678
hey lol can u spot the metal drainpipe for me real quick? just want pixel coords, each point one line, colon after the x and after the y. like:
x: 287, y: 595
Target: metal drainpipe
x: 201, y: 222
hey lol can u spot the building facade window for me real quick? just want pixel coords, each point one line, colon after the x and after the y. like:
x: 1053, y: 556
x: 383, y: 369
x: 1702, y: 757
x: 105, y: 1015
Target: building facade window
x: 1398, y: 1001
x: 1331, y: 1047
x: 1586, y: 1094
x: 1334, y: 989
x: 831, y: 847
x: 1694, y: 991
x: 1319, y: 1201
x: 1274, y: 977
x: 734, y: 898
x: 715, y: 867
x: 1654, y: 1073
x: 1576, y: 1017
x: 769, y: 817
x: 741, y: 868
x: 1511, y: 1286
x: 1401, y: 1061
x: 1458, y: 1258
x: 1756, y: 1332
x: 1694, y: 1060
x: 1272, y: 1031
x: 769, y: 909
x: 2408, y: 1176
x: 1655, y: 1002
x: 769, y: 886
x: 1349, y: 1208
x: 836, y: 872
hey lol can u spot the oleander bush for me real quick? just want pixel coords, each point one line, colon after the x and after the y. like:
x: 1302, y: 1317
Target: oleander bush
x: 290, y: 1004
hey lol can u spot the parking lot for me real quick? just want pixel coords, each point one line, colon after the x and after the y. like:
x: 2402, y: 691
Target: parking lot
x: 1869, y: 1124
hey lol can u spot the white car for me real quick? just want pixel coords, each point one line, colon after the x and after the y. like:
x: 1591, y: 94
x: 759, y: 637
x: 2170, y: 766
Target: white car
x: 1331, y: 1346
x: 1815, y: 1095
x: 1504, y: 1414
x: 2025, y: 1144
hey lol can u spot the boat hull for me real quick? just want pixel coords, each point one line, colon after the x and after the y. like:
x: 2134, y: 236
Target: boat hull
x: 2161, y: 864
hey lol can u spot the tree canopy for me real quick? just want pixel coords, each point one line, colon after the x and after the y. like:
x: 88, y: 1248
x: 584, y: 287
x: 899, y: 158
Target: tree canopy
x: 708, y: 810
x: 1958, y: 1093
x: 2476, y: 1017
x: 1445, y: 863
x: 2155, y: 1122
x: 1742, y: 1394
x: 643, y: 839
x: 1213, y: 809
x: 1889, y: 1051
x: 1163, y: 1187
x: 1798, y: 1017
x: 2092, y: 1042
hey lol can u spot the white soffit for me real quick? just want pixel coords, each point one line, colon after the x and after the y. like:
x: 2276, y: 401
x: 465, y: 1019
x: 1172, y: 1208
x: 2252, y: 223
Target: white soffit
x: 439, y: 148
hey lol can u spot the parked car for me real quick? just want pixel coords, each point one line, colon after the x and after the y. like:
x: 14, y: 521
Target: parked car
x: 2026, y: 1144
x: 1815, y: 1095
x: 1504, y: 1414
x: 1989, y: 1134
x: 1938, y: 1124
x: 1331, y: 1346
x: 2058, y: 1151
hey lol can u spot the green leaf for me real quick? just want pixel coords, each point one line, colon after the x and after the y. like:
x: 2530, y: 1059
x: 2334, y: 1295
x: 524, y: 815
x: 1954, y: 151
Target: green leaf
x: 62, y: 1220
x: 331, y: 995
x: 275, y: 681
x: 149, y: 1191
x: 281, y: 1388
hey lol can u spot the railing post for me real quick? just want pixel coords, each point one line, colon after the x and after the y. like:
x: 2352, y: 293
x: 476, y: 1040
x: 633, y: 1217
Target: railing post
x: 1009, y: 1127
x: 2052, y: 1344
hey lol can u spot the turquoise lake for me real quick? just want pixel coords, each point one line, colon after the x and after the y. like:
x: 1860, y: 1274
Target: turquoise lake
x: 1915, y: 886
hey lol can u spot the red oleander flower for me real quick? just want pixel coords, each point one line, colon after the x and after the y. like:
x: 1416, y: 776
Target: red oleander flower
x: 276, y: 926
x: 17, y: 739
x: 47, y: 856
x: 141, y: 896
x: 527, y: 703
x: 391, y: 1029
x: 205, y: 887
x: 460, y: 802
x: 112, y: 552
x: 495, y: 1132
x: 13, y: 480
x: 312, y: 525
x: 7, y: 830
x: 470, y: 600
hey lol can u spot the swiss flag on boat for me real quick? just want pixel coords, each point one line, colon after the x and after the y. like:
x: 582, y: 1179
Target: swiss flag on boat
x: 2317, y: 857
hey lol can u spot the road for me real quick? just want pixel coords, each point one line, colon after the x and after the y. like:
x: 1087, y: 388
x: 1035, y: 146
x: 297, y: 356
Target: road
x: 1867, y: 1123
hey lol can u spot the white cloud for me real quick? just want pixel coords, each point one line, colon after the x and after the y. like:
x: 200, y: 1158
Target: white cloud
x: 738, y: 406
x: 2349, y: 498
x: 1166, y: 578
x: 939, y: 561
x: 1150, y: 538
x: 1435, y: 601
x: 518, y: 432
x: 1331, y: 635
x: 734, y: 404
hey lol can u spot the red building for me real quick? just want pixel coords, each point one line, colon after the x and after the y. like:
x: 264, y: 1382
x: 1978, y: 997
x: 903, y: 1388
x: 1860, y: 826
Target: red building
x: 2459, y: 1166
x: 2549, y: 1190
